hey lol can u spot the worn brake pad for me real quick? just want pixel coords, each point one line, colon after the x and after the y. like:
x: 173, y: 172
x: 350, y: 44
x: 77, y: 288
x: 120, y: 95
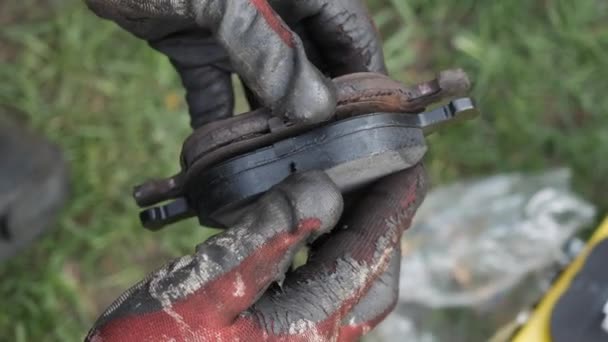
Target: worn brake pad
x: 378, y: 128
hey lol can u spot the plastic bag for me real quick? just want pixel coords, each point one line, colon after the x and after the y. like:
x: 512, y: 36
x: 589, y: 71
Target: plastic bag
x: 480, y: 251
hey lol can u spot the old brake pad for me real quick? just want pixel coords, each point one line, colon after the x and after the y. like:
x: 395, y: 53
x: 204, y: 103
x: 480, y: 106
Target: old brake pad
x: 379, y: 128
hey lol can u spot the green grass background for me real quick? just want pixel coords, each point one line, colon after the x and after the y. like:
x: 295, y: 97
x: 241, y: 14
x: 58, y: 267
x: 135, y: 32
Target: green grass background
x: 115, y: 106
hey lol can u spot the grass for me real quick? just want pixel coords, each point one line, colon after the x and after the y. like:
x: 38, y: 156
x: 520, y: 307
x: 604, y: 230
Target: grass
x: 116, y: 108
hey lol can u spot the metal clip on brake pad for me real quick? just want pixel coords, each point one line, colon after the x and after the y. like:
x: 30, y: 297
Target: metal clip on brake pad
x: 379, y: 128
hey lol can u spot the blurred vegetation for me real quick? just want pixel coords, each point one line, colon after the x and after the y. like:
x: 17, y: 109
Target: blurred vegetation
x: 115, y: 106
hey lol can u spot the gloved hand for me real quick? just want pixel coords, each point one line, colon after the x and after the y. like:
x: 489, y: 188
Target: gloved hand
x: 236, y: 286
x: 207, y: 40
x: 228, y: 290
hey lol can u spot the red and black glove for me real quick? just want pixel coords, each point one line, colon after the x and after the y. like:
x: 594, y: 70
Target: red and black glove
x: 237, y: 286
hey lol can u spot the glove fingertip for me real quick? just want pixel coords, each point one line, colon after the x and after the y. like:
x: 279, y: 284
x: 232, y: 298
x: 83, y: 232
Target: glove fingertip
x: 312, y: 99
x: 314, y: 195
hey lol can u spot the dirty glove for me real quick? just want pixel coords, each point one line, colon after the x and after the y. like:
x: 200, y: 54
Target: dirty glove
x: 207, y: 40
x: 232, y: 287
x: 236, y: 286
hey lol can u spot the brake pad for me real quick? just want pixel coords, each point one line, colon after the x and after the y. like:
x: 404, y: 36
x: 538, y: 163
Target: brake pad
x: 379, y: 128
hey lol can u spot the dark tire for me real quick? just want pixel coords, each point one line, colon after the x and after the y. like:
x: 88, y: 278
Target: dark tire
x: 33, y: 186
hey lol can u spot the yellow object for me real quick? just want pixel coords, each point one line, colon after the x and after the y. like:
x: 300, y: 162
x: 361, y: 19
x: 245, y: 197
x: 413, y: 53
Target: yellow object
x: 173, y: 101
x: 537, y: 329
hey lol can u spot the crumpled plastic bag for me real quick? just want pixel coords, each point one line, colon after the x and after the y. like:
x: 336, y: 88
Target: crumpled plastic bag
x: 479, y: 251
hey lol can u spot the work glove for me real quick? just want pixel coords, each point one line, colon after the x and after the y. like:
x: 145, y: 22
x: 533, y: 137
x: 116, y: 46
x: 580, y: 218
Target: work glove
x: 238, y: 285
x: 263, y: 42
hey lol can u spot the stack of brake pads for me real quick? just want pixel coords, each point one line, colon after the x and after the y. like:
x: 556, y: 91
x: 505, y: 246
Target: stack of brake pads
x: 379, y: 128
